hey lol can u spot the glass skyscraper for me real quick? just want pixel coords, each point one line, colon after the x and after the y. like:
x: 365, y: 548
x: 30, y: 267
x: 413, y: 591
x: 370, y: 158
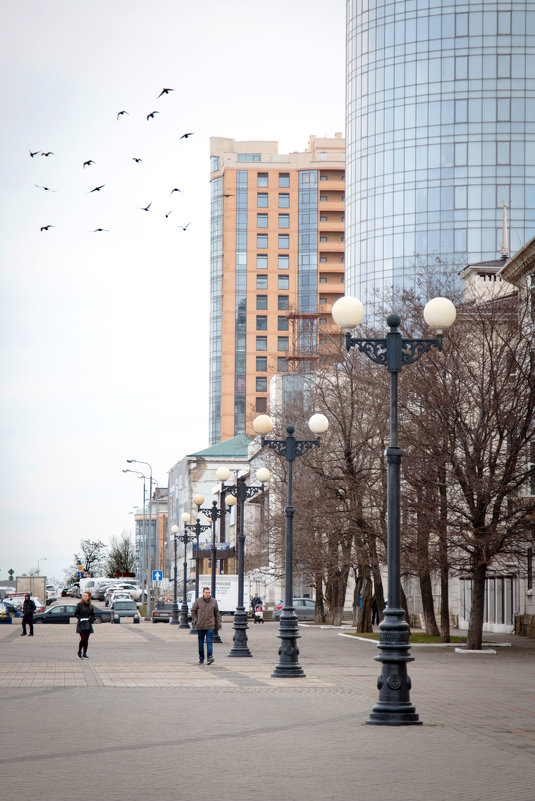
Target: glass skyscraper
x: 440, y: 132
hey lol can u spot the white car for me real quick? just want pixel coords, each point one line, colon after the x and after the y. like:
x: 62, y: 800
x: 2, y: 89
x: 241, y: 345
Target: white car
x: 118, y: 596
x: 51, y: 594
x: 133, y: 591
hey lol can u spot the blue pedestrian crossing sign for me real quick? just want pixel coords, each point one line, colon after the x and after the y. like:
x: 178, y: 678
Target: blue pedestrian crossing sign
x: 157, y: 575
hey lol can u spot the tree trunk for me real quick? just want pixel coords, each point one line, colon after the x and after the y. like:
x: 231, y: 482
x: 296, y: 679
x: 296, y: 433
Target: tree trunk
x: 364, y: 620
x: 319, y: 615
x: 431, y: 628
x: 356, y: 596
x: 475, y: 625
x: 336, y: 586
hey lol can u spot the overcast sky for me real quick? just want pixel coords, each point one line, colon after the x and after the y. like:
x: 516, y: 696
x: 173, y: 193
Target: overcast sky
x: 104, y: 335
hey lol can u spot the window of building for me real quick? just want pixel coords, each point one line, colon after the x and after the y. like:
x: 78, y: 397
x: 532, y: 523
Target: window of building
x: 323, y: 321
x: 284, y: 179
x: 323, y: 197
x: 323, y: 218
x: 282, y: 343
x: 261, y: 282
x: 323, y: 259
x: 261, y: 322
x: 261, y: 383
x: 262, y: 200
x: 261, y: 261
x: 322, y: 281
x: 284, y: 261
x: 323, y: 238
x: 214, y: 163
x: 248, y: 157
x: 323, y: 341
x: 284, y: 282
x: 323, y: 300
x: 282, y: 324
x: 323, y: 177
x: 261, y: 364
x: 261, y: 240
x: 262, y: 179
x: 284, y: 220
x: 261, y: 221
x: 284, y: 241
x: 283, y: 302
x: 284, y: 200
x: 261, y: 343
x: 261, y: 302
x: 261, y: 404
x: 282, y: 364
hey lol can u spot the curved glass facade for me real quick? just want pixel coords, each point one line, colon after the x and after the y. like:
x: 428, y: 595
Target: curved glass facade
x: 440, y: 131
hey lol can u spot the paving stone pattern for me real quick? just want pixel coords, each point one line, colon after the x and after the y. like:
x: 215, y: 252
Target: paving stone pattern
x: 142, y: 720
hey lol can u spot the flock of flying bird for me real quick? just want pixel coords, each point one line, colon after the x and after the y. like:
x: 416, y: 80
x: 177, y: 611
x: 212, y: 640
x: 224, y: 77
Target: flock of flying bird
x: 90, y: 163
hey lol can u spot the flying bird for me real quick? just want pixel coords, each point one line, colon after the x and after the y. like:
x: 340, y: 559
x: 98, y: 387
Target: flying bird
x: 145, y: 208
x: 47, y: 154
x: 47, y: 227
x: 96, y: 230
x: 96, y: 189
x: 228, y: 195
x: 164, y: 92
x: 34, y: 153
x: 121, y: 113
x: 176, y: 189
x: 187, y: 135
x: 151, y: 115
x: 46, y: 188
x: 184, y: 227
x: 87, y: 163
x: 138, y: 161
x: 168, y: 213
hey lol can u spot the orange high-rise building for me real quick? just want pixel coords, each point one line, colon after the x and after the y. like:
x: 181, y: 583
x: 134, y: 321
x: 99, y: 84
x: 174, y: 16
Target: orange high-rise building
x: 277, y: 267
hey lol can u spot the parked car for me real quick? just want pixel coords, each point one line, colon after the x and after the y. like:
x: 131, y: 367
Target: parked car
x: 17, y: 599
x: 118, y: 596
x: 163, y: 612
x: 305, y: 609
x: 132, y: 590
x: 8, y: 612
x: 51, y: 594
x: 125, y: 609
x: 64, y: 613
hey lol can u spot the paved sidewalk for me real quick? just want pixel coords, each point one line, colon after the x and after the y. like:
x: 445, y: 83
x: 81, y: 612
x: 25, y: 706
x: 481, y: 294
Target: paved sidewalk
x: 141, y: 720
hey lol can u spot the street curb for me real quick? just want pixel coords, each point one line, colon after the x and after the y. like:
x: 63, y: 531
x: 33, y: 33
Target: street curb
x: 435, y: 644
x: 482, y: 651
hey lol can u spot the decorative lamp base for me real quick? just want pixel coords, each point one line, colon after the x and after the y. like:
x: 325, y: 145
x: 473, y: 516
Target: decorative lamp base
x: 394, y: 707
x: 174, y: 615
x: 288, y: 667
x: 240, y: 647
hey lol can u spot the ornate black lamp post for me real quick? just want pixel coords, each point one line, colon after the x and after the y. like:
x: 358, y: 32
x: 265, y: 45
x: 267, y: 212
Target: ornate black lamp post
x: 174, y: 616
x: 290, y: 448
x: 215, y: 513
x: 394, y: 707
x: 197, y: 528
x: 185, y: 538
x: 242, y: 492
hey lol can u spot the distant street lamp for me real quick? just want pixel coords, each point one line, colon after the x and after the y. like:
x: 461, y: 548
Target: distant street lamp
x: 290, y: 448
x: 242, y: 492
x: 174, y: 615
x: 185, y: 538
x: 393, y: 351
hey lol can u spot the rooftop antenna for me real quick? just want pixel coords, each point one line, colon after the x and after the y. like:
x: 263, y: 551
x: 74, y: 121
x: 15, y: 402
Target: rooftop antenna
x: 504, y: 250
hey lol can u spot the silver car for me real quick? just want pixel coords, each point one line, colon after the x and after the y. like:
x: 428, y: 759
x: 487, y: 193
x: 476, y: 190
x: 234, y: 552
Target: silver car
x: 305, y: 609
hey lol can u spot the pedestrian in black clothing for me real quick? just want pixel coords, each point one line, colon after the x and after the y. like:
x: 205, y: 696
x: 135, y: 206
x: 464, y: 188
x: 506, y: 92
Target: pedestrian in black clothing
x: 375, y: 612
x: 28, y: 608
x: 85, y: 615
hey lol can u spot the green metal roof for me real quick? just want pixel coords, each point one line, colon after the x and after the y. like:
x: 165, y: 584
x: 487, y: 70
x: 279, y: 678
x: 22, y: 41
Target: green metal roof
x: 234, y: 448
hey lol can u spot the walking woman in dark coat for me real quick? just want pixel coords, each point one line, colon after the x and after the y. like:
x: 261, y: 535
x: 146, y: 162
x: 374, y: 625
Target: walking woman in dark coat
x: 85, y: 615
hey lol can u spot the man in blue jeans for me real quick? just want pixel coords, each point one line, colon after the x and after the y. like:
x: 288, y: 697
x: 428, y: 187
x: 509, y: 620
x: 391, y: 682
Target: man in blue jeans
x: 207, y: 618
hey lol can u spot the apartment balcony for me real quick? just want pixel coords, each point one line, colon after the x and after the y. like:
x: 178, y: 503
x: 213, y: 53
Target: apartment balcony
x: 331, y: 205
x: 331, y: 226
x: 332, y: 246
x: 332, y: 267
x: 332, y: 286
x: 332, y: 184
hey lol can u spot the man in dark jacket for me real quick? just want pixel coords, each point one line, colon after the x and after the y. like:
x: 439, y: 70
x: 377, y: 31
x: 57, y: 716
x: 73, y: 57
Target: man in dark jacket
x: 28, y: 608
x: 206, y: 616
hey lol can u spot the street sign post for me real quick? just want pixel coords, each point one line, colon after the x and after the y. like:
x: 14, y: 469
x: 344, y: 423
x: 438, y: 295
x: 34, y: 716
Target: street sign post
x: 157, y: 575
